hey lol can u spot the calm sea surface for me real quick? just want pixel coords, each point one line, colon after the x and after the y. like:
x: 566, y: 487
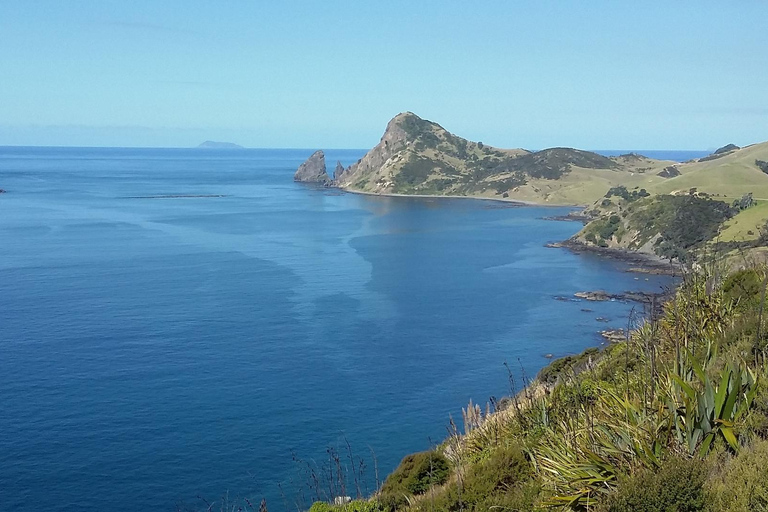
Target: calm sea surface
x: 153, y: 350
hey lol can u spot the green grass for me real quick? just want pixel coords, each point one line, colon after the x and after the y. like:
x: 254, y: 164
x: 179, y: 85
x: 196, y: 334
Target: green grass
x: 747, y: 225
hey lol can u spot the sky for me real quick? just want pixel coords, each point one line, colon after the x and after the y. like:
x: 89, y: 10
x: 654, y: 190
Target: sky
x: 330, y: 74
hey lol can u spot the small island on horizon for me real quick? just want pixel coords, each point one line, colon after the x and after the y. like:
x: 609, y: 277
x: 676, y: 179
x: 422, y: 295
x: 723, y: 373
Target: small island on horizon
x: 212, y: 144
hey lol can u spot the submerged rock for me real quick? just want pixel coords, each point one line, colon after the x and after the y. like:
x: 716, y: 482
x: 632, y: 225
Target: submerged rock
x: 313, y: 170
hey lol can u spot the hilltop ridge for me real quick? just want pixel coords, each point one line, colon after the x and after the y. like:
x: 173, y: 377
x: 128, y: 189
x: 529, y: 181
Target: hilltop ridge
x: 417, y: 156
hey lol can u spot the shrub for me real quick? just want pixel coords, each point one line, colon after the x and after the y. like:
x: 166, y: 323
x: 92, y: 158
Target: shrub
x: 677, y: 486
x: 417, y: 472
x: 741, y: 484
x: 501, y: 480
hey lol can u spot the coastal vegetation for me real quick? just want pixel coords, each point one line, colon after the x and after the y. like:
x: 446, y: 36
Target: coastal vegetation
x: 675, y: 417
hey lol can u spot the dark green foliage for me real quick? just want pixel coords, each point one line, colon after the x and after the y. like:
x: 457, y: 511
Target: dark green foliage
x: 553, y: 163
x: 603, y: 229
x: 683, y: 222
x: 762, y: 165
x: 494, y: 481
x: 669, y: 172
x: 352, y: 506
x: 550, y: 373
x: 678, y: 486
x: 417, y: 170
x: 622, y: 192
x: 427, y: 140
x: 743, y: 287
x: 516, y: 180
x: 416, y: 473
x: 415, y: 127
x: 745, y: 202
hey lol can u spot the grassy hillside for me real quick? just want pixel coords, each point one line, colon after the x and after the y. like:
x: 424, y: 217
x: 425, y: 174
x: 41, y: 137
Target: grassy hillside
x: 674, y: 418
x: 417, y: 156
x: 714, y: 204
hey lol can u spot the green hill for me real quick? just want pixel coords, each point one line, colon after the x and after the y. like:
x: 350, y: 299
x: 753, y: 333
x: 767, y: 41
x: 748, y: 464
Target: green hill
x: 416, y: 156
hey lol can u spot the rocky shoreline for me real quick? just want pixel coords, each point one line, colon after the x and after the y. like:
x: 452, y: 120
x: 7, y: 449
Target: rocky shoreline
x: 641, y: 262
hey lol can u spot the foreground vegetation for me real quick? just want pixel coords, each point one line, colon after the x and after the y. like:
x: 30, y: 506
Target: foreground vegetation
x: 673, y: 418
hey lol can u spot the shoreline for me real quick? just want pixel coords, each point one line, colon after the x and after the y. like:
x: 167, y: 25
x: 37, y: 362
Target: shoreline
x: 519, y: 202
x: 644, y: 263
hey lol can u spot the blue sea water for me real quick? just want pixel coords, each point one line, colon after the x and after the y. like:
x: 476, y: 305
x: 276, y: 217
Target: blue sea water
x: 153, y: 350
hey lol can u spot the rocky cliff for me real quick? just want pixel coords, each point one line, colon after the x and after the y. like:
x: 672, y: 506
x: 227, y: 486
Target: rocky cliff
x: 313, y: 170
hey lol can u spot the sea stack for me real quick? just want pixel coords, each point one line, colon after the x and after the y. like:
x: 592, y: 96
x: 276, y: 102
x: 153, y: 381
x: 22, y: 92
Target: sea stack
x: 313, y: 170
x: 338, y: 171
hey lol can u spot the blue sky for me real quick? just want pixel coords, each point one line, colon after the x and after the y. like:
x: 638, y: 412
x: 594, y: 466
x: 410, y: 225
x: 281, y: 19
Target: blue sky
x: 595, y: 75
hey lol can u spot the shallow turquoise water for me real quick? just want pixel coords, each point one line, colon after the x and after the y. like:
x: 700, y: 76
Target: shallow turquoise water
x: 156, y: 350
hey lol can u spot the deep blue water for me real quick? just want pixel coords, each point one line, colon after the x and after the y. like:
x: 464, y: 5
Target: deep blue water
x: 154, y: 350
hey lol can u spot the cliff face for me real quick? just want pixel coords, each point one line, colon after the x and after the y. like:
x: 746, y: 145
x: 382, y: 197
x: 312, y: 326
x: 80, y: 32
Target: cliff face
x: 416, y: 156
x: 313, y: 170
x: 377, y: 163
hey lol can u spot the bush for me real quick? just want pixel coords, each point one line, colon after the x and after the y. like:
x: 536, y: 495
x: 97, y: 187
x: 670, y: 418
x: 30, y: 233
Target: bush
x: 352, y: 506
x: 677, y: 486
x: 416, y: 473
x: 496, y: 481
x: 741, y: 484
x: 744, y: 287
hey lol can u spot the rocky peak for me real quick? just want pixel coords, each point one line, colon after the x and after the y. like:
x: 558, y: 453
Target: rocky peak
x: 313, y: 170
x: 338, y: 171
x: 401, y: 130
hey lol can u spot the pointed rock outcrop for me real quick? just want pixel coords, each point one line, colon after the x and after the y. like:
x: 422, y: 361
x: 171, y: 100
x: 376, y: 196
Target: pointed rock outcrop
x: 338, y: 171
x: 313, y: 170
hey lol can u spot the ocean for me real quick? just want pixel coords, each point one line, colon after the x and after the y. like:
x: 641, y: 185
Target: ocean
x: 160, y: 352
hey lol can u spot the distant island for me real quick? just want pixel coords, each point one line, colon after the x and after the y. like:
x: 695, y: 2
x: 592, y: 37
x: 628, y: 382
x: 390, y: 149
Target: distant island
x: 212, y: 144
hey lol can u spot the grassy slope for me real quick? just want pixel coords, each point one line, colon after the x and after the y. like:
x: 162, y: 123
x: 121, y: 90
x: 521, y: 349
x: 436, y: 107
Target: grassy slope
x: 731, y: 176
x: 746, y: 225
x: 723, y: 179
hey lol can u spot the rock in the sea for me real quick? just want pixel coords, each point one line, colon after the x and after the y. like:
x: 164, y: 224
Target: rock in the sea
x: 338, y: 171
x: 2, y: 191
x: 313, y: 170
